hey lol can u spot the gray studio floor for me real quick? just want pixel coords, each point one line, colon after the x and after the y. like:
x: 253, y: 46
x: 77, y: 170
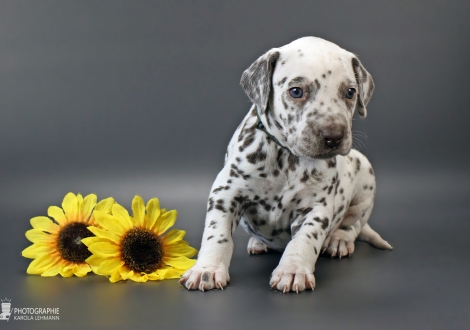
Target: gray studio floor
x: 422, y: 284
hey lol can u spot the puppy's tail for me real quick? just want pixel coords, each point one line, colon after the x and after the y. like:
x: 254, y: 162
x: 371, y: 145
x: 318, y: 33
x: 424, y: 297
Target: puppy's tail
x: 370, y: 236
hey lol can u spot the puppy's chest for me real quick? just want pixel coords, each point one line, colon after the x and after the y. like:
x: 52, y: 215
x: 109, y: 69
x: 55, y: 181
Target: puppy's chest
x: 277, y: 203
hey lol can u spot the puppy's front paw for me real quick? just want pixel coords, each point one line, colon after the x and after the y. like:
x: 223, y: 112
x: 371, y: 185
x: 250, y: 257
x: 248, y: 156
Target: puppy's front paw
x: 256, y: 247
x: 291, y: 277
x: 205, y: 278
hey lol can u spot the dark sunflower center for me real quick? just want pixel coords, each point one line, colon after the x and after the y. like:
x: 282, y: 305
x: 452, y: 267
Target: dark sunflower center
x: 141, y: 250
x: 69, y: 242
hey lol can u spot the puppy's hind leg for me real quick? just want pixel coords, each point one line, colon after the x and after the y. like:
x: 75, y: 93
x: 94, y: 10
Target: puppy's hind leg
x: 255, y: 246
x: 340, y: 242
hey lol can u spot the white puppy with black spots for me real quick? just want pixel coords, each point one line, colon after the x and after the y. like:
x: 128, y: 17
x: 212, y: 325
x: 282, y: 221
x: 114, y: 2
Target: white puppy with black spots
x: 290, y: 177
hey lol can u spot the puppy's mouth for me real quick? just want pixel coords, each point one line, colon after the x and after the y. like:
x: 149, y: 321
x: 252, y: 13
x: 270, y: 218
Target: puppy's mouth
x: 326, y: 155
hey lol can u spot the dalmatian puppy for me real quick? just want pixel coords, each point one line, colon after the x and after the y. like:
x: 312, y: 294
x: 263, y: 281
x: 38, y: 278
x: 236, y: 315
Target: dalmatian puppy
x: 290, y: 176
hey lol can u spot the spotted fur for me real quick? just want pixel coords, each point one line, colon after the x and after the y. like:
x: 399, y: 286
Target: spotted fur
x: 297, y: 187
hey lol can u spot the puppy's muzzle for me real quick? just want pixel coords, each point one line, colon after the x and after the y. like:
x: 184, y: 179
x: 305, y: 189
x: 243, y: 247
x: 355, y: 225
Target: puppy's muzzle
x: 332, y: 136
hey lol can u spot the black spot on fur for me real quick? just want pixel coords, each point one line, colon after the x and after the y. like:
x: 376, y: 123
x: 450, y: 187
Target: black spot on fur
x: 293, y: 161
x: 281, y: 82
x: 205, y: 277
x: 208, y: 238
x: 276, y: 232
x: 211, y: 204
x: 345, y: 228
x: 305, y: 177
x: 236, y: 172
x: 223, y: 241
x: 325, y: 222
x: 258, y: 155
x: 358, y: 165
x: 322, y: 201
x: 248, y: 136
x: 216, y: 190
x: 280, y: 161
x: 331, y: 163
x: 317, y: 84
x: 305, y: 211
x: 285, y: 104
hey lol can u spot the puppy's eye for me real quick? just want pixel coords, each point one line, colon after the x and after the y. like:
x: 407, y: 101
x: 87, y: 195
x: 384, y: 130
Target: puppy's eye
x: 296, y: 92
x: 350, y: 93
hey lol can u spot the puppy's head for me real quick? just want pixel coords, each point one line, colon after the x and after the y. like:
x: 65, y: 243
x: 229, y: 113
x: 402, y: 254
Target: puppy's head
x: 306, y: 94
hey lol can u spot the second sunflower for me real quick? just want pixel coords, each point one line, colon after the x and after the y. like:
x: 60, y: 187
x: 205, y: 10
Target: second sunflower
x: 138, y: 248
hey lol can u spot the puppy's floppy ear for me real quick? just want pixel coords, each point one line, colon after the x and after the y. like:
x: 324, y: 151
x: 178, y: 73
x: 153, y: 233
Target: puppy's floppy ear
x: 256, y: 81
x: 365, y: 84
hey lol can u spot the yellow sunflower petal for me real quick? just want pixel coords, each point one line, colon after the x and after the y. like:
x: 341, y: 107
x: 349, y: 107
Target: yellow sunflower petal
x: 153, y: 212
x: 44, y: 223
x: 104, y: 250
x: 105, y: 205
x: 174, y: 273
x: 179, y: 262
x: 166, y: 221
x: 107, y: 267
x: 94, y: 262
x: 80, y: 200
x: 57, y: 214
x: 136, y: 277
x: 115, y: 276
x: 125, y: 273
x: 70, y: 206
x: 121, y: 214
x: 174, y: 236
x: 180, y: 250
x: 102, y: 233
x: 87, y: 206
x: 159, y: 274
x: 37, y: 249
x: 38, y: 236
x: 66, y: 270
x: 53, y: 270
x: 109, y: 222
x: 42, y: 263
x: 81, y: 270
x: 138, y: 211
x: 92, y: 240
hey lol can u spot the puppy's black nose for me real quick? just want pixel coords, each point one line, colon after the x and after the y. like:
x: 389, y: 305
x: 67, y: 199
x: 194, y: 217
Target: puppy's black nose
x: 333, y: 136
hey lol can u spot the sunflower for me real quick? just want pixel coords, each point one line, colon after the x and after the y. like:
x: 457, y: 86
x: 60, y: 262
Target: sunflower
x: 138, y: 248
x: 57, y: 246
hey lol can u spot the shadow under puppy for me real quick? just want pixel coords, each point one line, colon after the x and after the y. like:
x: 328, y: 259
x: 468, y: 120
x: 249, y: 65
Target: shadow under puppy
x: 290, y: 176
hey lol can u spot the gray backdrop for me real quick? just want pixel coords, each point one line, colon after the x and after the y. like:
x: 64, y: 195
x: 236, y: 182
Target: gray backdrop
x: 141, y: 97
